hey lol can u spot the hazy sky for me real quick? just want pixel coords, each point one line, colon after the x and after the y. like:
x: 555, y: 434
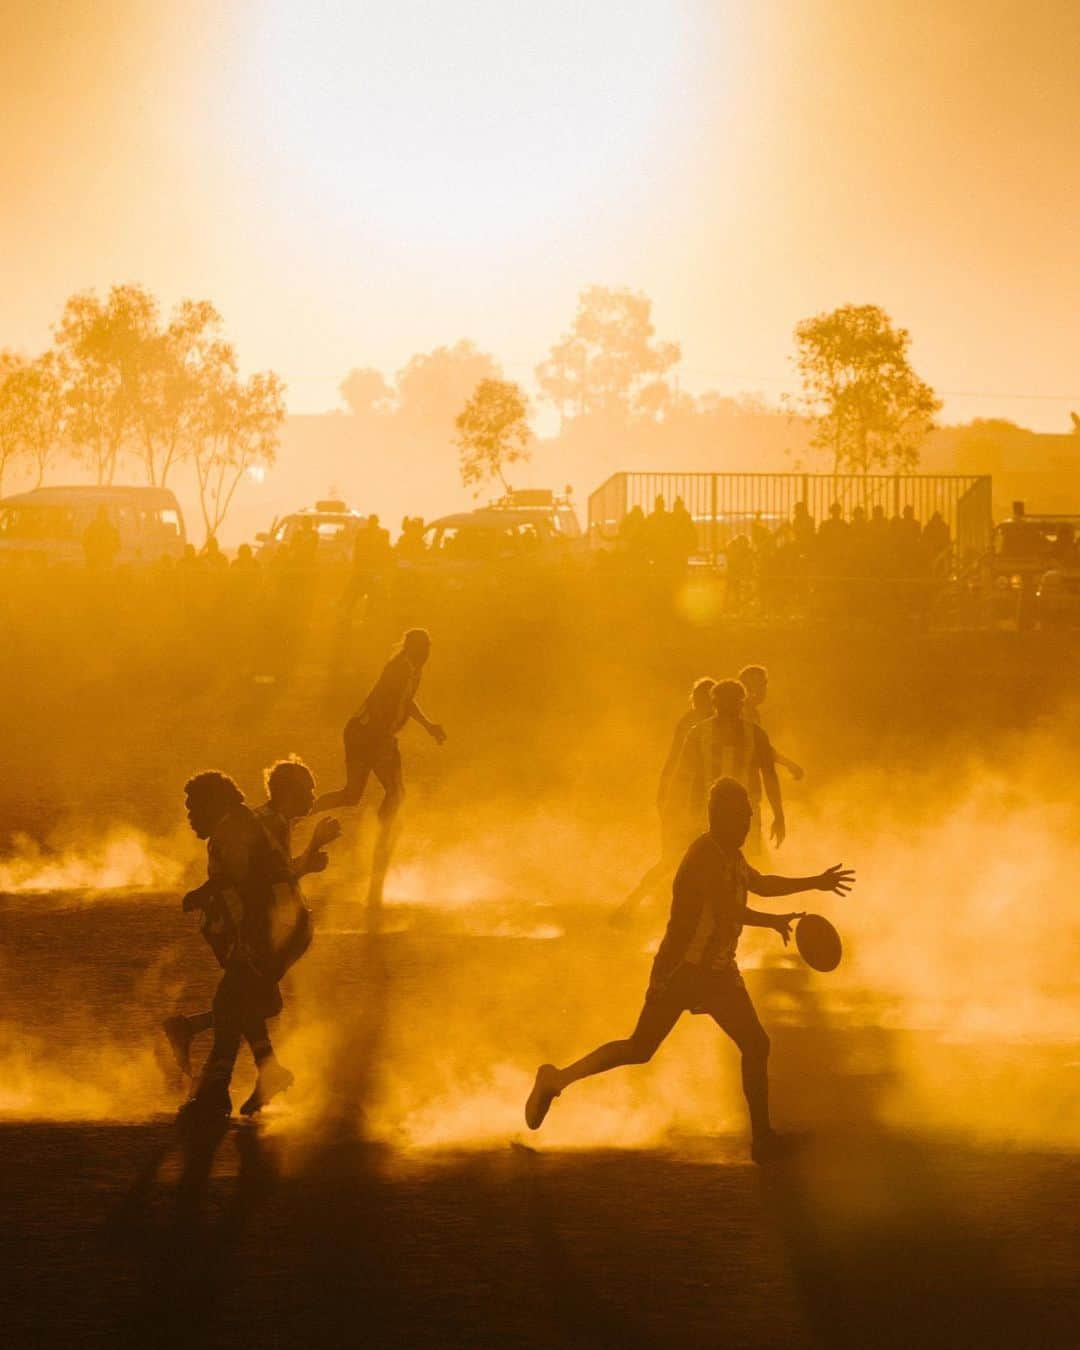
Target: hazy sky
x: 353, y: 182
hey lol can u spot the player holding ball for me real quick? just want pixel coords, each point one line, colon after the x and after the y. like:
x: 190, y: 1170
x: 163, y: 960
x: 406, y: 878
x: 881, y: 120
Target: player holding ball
x: 695, y: 968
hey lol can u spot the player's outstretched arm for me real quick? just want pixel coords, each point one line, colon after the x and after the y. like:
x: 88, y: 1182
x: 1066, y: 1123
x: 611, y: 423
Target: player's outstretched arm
x: 837, y: 879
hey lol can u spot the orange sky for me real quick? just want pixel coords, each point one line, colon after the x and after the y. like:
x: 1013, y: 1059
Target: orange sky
x: 352, y: 183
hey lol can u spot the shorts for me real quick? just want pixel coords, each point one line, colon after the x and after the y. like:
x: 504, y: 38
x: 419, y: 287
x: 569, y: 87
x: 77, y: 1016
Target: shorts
x: 368, y: 752
x: 243, y: 994
x: 721, y: 995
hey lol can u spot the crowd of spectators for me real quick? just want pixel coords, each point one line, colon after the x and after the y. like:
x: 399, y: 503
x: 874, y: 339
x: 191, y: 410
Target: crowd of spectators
x: 662, y: 539
x: 770, y: 567
x: 797, y: 561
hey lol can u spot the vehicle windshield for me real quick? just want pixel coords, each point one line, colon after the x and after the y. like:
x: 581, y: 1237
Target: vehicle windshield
x: 330, y: 529
x: 476, y: 542
x: 24, y: 524
x: 1026, y: 538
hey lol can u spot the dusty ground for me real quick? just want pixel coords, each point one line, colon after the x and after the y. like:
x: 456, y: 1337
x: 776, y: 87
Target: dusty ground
x: 348, y: 1217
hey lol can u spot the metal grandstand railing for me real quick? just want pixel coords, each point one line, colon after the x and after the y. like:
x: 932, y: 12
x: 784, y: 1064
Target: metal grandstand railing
x: 726, y: 504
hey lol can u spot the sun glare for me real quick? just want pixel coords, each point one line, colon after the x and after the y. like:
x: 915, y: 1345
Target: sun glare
x: 467, y: 124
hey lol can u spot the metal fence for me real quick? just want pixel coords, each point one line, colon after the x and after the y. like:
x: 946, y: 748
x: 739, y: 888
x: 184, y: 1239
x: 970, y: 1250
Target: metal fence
x: 723, y: 505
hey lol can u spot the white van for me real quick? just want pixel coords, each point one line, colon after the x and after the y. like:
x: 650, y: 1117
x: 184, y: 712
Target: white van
x: 49, y: 523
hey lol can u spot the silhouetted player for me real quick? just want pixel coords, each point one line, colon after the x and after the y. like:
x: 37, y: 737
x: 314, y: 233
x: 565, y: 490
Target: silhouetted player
x: 755, y: 680
x: 695, y: 968
x: 675, y: 830
x: 727, y: 745
x: 371, y: 746
x: 290, y: 787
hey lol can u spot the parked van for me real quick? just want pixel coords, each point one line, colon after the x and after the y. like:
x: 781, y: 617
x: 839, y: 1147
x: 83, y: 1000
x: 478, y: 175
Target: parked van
x: 49, y: 523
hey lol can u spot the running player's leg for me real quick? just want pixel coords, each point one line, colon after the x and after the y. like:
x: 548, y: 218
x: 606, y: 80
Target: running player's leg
x: 273, y: 1077
x: 653, y: 880
x: 674, y: 837
x: 212, y: 1092
x: 731, y: 1008
x: 181, y: 1031
x: 357, y: 769
x: 658, y: 1015
x: 387, y: 767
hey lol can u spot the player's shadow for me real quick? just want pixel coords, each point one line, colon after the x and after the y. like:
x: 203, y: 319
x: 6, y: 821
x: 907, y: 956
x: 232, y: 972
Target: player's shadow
x: 577, y: 1306
x: 183, y: 1250
x: 879, y: 1254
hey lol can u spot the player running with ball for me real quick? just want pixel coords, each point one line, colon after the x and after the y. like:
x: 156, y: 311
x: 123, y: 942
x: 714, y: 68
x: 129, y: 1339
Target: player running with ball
x: 695, y: 969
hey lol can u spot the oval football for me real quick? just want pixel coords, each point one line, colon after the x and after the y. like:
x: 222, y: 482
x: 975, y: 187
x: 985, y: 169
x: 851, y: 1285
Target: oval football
x: 818, y: 942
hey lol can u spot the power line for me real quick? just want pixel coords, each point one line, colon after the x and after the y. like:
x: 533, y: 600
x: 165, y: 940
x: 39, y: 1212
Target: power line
x: 749, y: 380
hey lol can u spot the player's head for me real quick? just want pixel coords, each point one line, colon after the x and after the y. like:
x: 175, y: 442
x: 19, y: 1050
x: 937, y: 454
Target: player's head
x: 290, y: 785
x: 416, y: 644
x: 755, y: 680
x: 209, y: 796
x: 701, y: 694
x: 728, y: 697
x: 729, y: 812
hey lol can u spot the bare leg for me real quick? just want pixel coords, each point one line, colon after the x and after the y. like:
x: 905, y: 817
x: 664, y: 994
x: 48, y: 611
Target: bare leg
x: 675, y: 834
x: 330, y: 800
x: 735, y: 1014
x: 658, y: 1016
x: 653, y: 880
x: 389, y: 831
x: 357, y: 768
x: 388, y: 772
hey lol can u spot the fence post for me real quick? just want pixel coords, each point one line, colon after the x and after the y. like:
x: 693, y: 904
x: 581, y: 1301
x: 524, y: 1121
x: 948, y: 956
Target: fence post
x: 713, y: 524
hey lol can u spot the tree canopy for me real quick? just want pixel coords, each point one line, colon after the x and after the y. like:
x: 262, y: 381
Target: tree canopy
x: 492, y: 431
x: 122, y: 386
x: 609, y: 363
x: 867, y: 406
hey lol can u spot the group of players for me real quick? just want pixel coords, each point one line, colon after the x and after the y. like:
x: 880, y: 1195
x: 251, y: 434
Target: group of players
x: 254, y: 917
x: 720, y: 762
x: 253, y: 913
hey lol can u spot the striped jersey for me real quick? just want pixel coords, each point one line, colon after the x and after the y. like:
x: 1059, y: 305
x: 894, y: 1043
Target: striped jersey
x: 724, y: 748
x: 708, y: 901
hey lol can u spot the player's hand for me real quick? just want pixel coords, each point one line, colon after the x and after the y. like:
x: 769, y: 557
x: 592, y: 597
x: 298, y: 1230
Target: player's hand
x: 437, y: 734
x: 838, y: 879
x: 325, y: 832
x: 796, y: 771
x: 778, y: 832
x: 317, y: 861
x: 782, y: 923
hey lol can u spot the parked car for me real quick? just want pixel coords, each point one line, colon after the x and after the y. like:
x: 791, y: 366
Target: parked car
x: 524, y: 524
x: 333, y: 524
x: 1034, y: 568
x: 49, y: 523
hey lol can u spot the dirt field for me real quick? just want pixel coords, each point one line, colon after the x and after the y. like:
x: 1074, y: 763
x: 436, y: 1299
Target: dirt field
x: 396, y: 1198
x: 351, y: 1216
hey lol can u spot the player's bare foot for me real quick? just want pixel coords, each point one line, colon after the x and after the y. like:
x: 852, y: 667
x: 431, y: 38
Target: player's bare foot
x: 545, y: 1090
x: 273, y: 1078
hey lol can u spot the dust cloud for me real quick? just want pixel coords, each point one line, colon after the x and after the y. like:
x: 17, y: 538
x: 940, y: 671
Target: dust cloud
x: 124, y: 858
x: 957, y: 986
x: 955, y: 1007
